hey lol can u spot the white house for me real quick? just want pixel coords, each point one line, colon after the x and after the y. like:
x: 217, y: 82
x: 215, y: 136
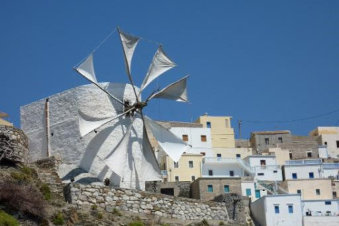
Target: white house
x: 195, y: 137
x: 275, y: 210
x: 250, y: 189
x: 309, y: 169
x: 264, y: 167
x: 320, y: 207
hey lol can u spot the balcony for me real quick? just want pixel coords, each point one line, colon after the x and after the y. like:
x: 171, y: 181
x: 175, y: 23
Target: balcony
x: 330, y: 165
x: 219, y: 160
x: 303, y: 162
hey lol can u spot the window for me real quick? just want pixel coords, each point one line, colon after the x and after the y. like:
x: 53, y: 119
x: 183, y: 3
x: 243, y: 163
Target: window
x: 290, y: 208
x: 263, y: 162
x: 193, y: 178
x: 210, y: 188
x: 291, y: 156
x: 276, y: 209
x: 226, y: 188
x: 208, y: 124
x: 337, y: 143
x: 298, y: 191
x: 328, y: 203
x: 311, y: 175
x: 294, y: 176
x: 203, y: 138
x: 325, y: 143
x: 203, y: 153
x: 185, y: 137
x: 275, y: 171
x: 176, y: 164
x: 218, y: 155
x: 260, y: 174
x: 334, y: 194
x: 248, y: 192
x: 267, y: 141
x: 190, y: 164
x: 210, y: 172
x: 238, y: 155
x: 317, y: 191
x: 309, y: 154
x: 176, y: 178
x: 280, y: 139
x: 231, y: 173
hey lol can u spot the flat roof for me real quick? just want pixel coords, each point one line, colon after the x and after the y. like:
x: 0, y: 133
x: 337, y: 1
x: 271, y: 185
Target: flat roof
x: 271, y: 132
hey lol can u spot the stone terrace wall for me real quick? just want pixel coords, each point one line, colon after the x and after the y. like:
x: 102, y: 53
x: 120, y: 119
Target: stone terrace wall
x: 146, y: 203
x: 13, y: 144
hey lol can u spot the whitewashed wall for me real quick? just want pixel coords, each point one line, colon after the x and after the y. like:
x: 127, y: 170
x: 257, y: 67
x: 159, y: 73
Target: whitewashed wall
x: 81, y: 155
x: 264, y: 213
x: 302, y: 171
x: 319, y: 207
x: 254, y: 161
x: 194, y: 136
x: 222, y: 169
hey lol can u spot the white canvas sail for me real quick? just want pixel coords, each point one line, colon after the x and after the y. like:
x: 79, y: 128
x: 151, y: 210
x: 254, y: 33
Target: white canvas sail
x: 129, y: 43
x: 150, y: 167
x: 160, y: 64
x: 86, y: 69
x: 176, y: 91
x: 171, y: 144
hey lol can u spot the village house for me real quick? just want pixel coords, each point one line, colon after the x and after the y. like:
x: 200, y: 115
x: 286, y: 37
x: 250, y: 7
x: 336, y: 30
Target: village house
x: 328, y: 136
x: 264, y: 168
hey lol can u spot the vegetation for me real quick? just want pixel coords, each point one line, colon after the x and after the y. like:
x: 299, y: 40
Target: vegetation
x: 94, y: 207
x: 24, y: 175
x: 46, y: 191
x: 136, y: 223
x: 58, y: 219
x: 116, y: 212
x: 7, y: 220
x: 27, y: 198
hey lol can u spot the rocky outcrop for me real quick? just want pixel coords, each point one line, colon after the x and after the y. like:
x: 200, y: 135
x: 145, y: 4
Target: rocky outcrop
x: 13, y: 144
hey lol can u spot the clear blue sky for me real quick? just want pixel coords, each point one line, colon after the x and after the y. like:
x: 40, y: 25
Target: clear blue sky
x: 252, y: 60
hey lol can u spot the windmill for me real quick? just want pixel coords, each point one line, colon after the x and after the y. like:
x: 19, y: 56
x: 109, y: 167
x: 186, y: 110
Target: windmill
x: 136, y: 166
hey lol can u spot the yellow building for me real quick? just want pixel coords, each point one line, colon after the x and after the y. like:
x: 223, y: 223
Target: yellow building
x: 221, y: 131
x: 3, y: 121
x: 281, y: 155
x: 310, y: 189
x: 187, y: 169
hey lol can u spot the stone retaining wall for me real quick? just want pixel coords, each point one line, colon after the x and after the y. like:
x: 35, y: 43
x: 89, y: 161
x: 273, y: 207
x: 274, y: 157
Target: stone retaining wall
x: 13, y: 144
x: 146, y: 203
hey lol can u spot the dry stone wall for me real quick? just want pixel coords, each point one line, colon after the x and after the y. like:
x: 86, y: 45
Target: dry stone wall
x: 146, y: 203
x: 13, y: 144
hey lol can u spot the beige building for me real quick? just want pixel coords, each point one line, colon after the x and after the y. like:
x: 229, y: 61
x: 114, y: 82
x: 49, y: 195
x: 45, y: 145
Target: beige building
x: 187, y: 169
x: 3, y: 121
x: 281, y: 155
x: 221, y: 131
x: 310, y: 189
x: 328, y: 136
x: 231, y: 153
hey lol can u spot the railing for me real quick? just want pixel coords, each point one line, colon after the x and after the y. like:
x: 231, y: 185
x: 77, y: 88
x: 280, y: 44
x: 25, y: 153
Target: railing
x: 331, y: 165
x: 266, y: 167
x: 219, y: 159
x: 303, y: 162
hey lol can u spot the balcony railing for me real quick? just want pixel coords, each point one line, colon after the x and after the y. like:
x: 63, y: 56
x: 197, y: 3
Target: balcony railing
x: 330, y: 165
x: 303, y: 162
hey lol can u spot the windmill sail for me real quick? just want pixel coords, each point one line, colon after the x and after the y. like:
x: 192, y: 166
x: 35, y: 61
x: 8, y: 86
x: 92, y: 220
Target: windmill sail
x: 86, y: 69
x: 176, y: 91
x: 171, y: 144
x: 129, y: 43
x: 160, y: 64
x: 150, y: 167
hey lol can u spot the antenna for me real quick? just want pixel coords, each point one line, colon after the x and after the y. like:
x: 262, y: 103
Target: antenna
x: 239, y: 128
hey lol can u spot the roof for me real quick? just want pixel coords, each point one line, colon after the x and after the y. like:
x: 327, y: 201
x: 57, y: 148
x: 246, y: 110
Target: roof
x: 170, y: 124
x: 3, y: 114
x: 271, y: 132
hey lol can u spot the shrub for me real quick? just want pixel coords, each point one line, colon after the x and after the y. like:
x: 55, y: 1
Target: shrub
x: 136, y: 223
x: 116, y: 212
x: 94, y: 207
x: 24, y: 175
x: 7, y: 220
x: 221, y: 223
x: 24, y: 198
x: 100, y: 216
x: 58, y: 219
x: 204, y: 222
x: 46, y: 191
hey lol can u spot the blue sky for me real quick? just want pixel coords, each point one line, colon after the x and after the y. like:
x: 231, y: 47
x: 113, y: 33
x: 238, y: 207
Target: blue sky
x: 253, y: 60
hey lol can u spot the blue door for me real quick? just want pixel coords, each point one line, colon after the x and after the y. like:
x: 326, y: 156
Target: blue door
x: 257, y: 194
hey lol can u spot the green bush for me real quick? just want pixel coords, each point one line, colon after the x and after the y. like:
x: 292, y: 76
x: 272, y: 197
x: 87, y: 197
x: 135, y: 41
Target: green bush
x: 100, y: 216
x: 136, y: 223
x: 7, y: 220
x: 94, y: 207
x: 58, y: 219
x: 204, y: 222
x: 116, y: 212
x: 46, y: 191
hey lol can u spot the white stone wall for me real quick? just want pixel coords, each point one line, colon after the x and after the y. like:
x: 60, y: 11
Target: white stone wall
x: 146, y: 203
x: 254, y: 161
x: 84, y: 153
x: 222, y: 169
